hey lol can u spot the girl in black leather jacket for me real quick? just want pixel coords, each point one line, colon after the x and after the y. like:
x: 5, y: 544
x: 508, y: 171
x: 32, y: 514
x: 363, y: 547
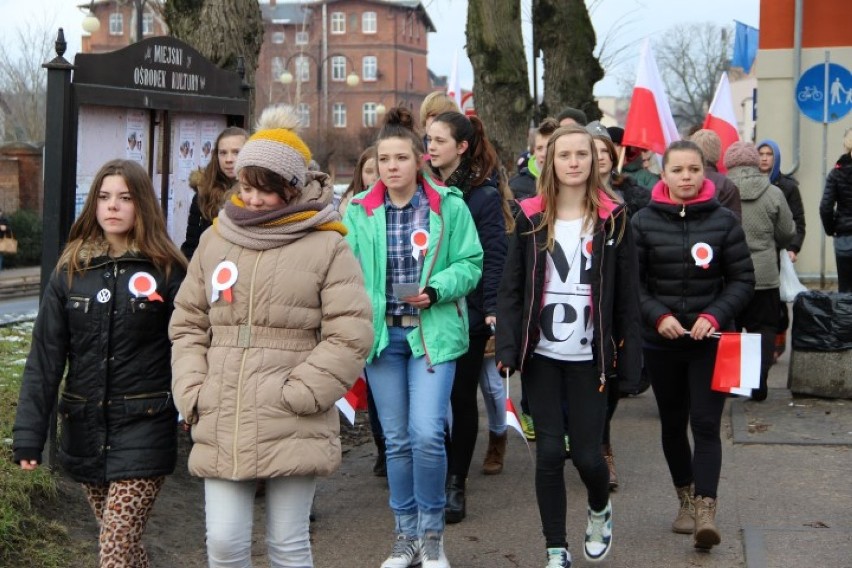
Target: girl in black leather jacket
x: 105, y: 315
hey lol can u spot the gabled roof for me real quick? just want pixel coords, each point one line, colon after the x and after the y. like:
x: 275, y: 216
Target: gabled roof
x: 284, y: 13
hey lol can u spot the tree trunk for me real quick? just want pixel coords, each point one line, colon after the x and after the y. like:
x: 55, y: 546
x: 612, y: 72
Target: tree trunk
x: 566, y: 37
x: 500, y: 84
x: 221, y: 30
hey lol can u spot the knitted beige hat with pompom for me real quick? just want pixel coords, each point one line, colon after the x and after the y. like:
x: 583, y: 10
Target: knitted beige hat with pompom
x: 276, y: 146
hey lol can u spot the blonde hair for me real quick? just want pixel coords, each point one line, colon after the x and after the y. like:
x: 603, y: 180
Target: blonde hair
x: 847, y: 139
x: 435, y: 103
x: 548, y: 187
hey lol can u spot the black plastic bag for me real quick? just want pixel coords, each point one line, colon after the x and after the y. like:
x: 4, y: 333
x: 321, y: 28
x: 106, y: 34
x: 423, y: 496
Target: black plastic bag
x: 822, y: 321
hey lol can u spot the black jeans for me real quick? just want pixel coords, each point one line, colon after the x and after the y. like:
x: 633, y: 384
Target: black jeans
x: 463, y: 401
x: 548, y: 384
x: 681, y: 383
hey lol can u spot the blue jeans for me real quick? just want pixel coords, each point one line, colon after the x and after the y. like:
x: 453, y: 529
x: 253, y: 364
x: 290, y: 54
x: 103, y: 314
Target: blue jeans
x: 494, y: 395
x: 229, y: 509
x: 413, y: 402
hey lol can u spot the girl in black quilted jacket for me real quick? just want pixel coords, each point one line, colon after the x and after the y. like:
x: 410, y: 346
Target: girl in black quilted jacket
x: 105, y: 316
x: 695, y: 275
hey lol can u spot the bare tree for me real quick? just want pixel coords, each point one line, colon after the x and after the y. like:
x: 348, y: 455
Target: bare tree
x: 691, y: 58
x: 566, y: 37
x: 500, y: 85
x: 221, y: 30
x: 23, y: 82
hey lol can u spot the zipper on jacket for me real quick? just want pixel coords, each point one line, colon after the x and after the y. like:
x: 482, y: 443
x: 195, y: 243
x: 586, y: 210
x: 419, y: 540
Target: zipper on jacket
x: 428, y: 274
x: 599, y: 329
x: 244, y: 341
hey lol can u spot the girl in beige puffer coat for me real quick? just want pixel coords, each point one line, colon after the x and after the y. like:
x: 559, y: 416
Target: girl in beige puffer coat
x: 271, y: 326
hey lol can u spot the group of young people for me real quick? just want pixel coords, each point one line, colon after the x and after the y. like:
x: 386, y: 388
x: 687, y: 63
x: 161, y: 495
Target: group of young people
x: 285, y: 303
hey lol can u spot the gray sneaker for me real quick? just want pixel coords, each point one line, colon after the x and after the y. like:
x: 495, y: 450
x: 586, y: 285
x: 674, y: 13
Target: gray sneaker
x: 432, y: 551
x: 405, y: 553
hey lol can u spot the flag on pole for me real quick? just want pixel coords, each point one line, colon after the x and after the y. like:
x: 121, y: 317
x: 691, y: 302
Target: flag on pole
x: 454, y: 90
x: 649, y: 123
x: 355, y: 399
x: 512, y: 417
x: 737, y: 368
x: 721, y: 118
x: 745, y: 46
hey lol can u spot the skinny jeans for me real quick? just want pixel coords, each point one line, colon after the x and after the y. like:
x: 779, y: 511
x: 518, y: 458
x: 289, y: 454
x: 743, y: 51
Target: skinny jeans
x: 549, y: 384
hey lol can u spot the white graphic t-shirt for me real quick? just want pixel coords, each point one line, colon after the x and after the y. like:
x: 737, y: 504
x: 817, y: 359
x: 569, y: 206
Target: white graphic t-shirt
x: 566, y: 315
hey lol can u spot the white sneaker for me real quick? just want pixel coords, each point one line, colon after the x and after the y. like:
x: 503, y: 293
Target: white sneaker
x: 598, y: 534
x: 432, y: 551
x: 558, y: 558
x: 405, y: 553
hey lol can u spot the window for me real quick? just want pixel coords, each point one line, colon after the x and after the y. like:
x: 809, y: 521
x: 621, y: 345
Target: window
x: 116, y: 24
x: 411, y: 71
x: 304, y: 112
x: 338, y: 68
x: 278, y: 37
x: 303, y: 68
x: 368, y: 22
x: 338, y: 23
x: 338, y: 113
x: 369, y: 70
x: 369, y: 115
x: 147, y: 24
x: 301, y: 38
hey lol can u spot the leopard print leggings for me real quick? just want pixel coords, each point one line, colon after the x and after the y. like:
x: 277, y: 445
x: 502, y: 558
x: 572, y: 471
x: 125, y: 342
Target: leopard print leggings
x: 122, y: 509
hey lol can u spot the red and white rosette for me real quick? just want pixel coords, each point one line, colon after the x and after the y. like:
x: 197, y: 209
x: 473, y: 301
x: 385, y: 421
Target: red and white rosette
x: 702, y: 254
x: 587, y: 251
x: 143, y: 285
x: 419, y: 242
x: 224, y: 278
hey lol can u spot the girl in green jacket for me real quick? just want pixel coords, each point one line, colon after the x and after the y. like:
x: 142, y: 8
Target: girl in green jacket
x: 421, y: 256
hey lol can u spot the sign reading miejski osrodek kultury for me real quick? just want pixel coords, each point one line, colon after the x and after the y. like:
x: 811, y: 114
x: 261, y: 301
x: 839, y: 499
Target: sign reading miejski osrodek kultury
x: 160, y: 63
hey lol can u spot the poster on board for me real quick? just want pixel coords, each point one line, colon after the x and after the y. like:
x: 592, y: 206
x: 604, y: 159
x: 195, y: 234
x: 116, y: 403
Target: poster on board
x: 186, y: 148
x: 209, y: 130
x: 135, y: 128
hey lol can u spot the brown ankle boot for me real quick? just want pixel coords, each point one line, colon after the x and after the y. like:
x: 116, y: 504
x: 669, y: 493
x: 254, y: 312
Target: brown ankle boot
x: 684, y: 523
x: 706, y: 533
x: 493, y: 463
x: 610, y: 464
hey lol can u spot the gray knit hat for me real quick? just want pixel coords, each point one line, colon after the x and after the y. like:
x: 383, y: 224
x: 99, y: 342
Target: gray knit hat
x: 276, y: 146
x: 741, y: 154
x: 710, y: 144
x: 595, y: 128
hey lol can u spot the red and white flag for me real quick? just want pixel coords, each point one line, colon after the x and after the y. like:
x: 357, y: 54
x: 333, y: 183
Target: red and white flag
x: 737, y: 369
x: 454, y: 90
x: 649, y: 123
x: 512, y: 419
x: 721, y: 118
x: 355, y: 399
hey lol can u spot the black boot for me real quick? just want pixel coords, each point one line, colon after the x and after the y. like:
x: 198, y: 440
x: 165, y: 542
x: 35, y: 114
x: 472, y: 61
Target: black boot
x: 380, y: 468
x: 454, y: 510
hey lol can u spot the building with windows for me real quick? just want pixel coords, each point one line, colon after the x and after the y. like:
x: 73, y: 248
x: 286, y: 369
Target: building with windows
x: 118, y: 24
x: 342, y: 63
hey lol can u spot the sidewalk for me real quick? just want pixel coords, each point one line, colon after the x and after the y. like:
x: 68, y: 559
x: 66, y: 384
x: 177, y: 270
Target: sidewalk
x: 19, y: 281
x: 784, y: 500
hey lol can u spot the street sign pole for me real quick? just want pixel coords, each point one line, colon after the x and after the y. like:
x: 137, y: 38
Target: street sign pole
x: 824, y: 164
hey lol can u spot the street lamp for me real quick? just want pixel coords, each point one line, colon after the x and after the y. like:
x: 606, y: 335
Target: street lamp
x: 353, y: 80
x: 91, y: 23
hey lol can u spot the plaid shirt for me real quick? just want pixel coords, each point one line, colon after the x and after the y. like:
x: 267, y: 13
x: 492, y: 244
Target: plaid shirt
x: 403, y: 268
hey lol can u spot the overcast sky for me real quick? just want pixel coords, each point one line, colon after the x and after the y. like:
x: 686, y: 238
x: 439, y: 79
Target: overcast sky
x: 619, y: 22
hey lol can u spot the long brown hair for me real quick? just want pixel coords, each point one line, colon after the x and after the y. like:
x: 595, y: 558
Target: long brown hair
x: 356, y: 186
x: 148, y: 234
x: 548, y: 187
x: 215, y: 184
x: 479, y: 154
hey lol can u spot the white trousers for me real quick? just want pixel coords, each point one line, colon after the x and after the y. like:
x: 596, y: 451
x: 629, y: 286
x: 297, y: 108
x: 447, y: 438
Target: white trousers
x: 229, y: 507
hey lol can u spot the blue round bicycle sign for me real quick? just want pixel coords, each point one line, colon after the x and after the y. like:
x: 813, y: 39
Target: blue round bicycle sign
x: 811, y: 93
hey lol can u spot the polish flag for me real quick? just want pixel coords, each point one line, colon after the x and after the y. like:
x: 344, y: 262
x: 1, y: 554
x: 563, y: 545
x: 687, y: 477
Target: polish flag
x: 355, y: 399
x: 721, y: 118
x: 649, y: 123
x: 737, y: 369
x: 512, y: 417
x: 454, y: 90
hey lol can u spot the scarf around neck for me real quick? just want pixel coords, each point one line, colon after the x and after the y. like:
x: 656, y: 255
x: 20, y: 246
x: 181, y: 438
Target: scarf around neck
x: 264, y: 230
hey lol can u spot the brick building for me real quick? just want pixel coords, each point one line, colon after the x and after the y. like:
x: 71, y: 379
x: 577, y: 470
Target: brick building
x: 339, y: 62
